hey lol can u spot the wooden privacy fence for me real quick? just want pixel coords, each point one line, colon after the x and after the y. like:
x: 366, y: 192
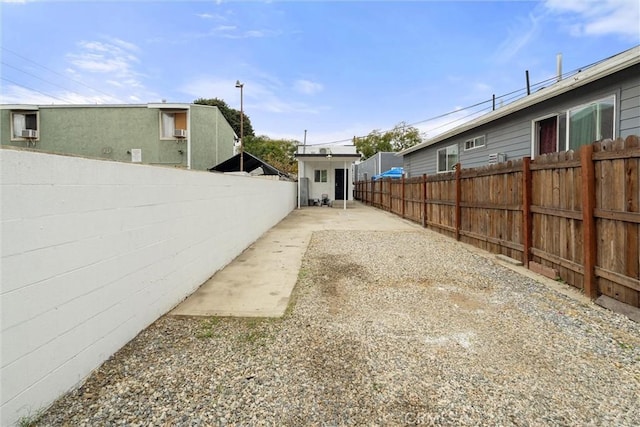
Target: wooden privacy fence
x: 571, y: 215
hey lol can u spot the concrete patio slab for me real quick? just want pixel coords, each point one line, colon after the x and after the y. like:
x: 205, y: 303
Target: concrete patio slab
x: 258, y: 283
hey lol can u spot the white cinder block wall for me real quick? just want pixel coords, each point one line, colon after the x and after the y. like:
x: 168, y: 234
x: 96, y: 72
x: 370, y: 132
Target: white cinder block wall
x: 94, y: 251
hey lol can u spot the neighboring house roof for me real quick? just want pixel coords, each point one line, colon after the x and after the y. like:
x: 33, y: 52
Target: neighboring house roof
x: 311, y: 156
x: 250, y: 163
x: 162, y: 105
x: 584, y: 76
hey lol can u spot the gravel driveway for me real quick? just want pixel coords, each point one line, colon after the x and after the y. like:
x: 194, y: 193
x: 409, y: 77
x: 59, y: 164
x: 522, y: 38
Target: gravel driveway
x: 386, y: 328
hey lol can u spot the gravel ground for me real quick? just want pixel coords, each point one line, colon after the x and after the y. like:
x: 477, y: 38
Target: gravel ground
x: 389, y: 328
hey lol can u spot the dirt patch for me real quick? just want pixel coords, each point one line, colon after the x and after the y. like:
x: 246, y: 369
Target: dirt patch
x: 466, y: 301
x: 332, y: 273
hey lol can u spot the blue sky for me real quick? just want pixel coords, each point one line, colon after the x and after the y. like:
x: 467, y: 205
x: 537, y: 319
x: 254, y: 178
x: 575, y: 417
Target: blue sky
x: 337, y: 69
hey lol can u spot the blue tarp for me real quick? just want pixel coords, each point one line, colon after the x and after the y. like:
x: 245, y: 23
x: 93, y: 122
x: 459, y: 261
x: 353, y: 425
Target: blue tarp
x: 391, y: 173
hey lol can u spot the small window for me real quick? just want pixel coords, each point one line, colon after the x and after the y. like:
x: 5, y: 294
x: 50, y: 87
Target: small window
x: 447, y: 158
x: 24, y: 125
x: 320, y: 175
x: 170, y: 122
x: 472, y: 143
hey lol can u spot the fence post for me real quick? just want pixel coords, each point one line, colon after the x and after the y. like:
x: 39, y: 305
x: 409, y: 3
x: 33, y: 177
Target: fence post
x: 424, y: 199
x: 402, y: 196
x: 526, y: 211
x: 458, y: 197
x: 373, y: 192
x: 390, y: 192
x: 589, y: 244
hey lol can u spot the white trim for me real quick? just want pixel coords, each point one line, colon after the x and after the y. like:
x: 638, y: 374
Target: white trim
x: 189, y: 138
x: 534, y: 134
x: 586, y: 104
x: 345, y: 178
x: 326, y: 175
x: 165, y: 106
x: 25, y: 107
x: 438, y: 157
x: 24, y: 112
x: 566, y: 114
x: 161, y: 124
x: 484, y: 142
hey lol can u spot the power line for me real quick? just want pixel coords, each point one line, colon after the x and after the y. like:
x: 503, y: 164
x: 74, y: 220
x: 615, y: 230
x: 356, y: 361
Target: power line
x: 33, y: 75
x: 57, y: 73
x: 513, y: 95
x: 36, y: 90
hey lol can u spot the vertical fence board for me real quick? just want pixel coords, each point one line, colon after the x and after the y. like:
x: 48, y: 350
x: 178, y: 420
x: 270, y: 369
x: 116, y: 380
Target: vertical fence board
x: 588, y: 221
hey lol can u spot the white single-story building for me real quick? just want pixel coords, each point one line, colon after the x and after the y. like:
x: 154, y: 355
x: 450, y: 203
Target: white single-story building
x: 324, y: 169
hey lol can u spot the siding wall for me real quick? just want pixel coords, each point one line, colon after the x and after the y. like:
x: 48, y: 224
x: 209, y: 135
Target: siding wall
x: 316, y: 189
x: 512, y: 134
x: 211, y: 137
x: 630, y: 109
x: 95, y: 251
x: 380, y: 162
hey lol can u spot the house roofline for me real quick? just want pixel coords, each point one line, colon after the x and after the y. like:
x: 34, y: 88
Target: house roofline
x: 355, y: 156
x: 605, y: 68
x: 160, y: 105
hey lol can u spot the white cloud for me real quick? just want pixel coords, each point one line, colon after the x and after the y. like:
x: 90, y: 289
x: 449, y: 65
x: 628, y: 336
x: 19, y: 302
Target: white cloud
x: 250, y: 34
x: 13, y: 94
x: 519, y: 37
x: 259, y: 95
x: 100, y: 72
x: 99, y: 57
x: 124, y: 44
x: 591, y: 18
x: 112, y: 62
x: 307, y: 87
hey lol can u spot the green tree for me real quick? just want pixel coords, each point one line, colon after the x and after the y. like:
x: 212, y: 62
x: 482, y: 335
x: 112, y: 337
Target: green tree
x: 230, y: 114
x: 404, y: 136
x: 373, y: 143
x: 279, y: 153
x: 399, y: 138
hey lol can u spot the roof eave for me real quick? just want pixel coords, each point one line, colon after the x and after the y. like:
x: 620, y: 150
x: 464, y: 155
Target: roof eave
x: 618, y: 63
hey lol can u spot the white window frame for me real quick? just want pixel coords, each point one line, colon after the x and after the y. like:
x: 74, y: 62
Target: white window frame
x: 587, y: 104
x: 318, y: 175
x: 534, y: 134
x: 448, y: 168
x: 474, y: 142
x: 24, y: 113
x: 173, y: 125
x: 565, y: 115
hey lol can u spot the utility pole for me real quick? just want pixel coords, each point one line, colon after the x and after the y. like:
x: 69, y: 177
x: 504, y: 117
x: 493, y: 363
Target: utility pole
x: 241, y: 86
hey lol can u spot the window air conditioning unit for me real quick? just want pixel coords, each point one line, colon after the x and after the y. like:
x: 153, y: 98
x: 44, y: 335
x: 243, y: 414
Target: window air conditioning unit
x: 180, y: 133
x: 29, y: 133
x: 497, y: 158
